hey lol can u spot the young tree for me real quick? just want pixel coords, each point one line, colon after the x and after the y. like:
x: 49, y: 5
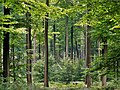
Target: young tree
x: 54, y: 46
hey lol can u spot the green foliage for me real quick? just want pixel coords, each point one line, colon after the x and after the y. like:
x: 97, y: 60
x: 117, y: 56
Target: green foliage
x: 102, y: 15
x: 59, y: 71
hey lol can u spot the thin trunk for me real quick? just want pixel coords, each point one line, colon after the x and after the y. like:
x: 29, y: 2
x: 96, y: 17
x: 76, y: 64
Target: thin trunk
x: 99, y: 51
x: 6, y: 49
x: 66, y: 36
x: 85, y: 49
x: 104, y: 56
x: 77, y: 52
x: 0, y: 60
x: 72, y: 40
x: 88, y: 54
x: 35, y: 47
x: 54, y: 47
x: 46, y: 49
x: 39, y: 50
x: 29, y: 52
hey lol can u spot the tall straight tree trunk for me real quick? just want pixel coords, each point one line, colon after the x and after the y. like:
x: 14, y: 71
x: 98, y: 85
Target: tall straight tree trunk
x: 54, y: 47
x: 46, y: 49
x: 34, y: 47
x: 6, y: 49
x: 39, y: 50
x: 29, y: 52
x: 77, y: 52
x: 0, y: 59
x: 59, y: 50
x: 72, y: 40
x: 88, y: 54
x: 66, y: 37
x: 104, y: 56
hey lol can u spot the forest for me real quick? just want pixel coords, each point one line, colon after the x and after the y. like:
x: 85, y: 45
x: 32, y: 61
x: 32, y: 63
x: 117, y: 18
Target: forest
x: 59, y: 44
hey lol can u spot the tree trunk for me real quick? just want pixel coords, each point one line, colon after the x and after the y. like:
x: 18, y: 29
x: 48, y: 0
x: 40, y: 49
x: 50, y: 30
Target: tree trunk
x: 34, y: 47
x: 66, y: 36
x: 60, y: 56
x: 77, y: 52
x: 88, y: 54
x: 99, y: 51
x: 0, y: 58
x: 72, y: 40
x: 6, y: 49
x: 39, y: 50
x: 46, y: 49
x: 54, y: 47
x: 104, y: 56
x: 29, y: 52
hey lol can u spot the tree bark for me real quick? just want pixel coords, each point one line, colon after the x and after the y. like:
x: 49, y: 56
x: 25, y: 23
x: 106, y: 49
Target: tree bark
x: 6, y: 49
x: 54, y: 46
x: 39, y: 50
x: 104, y: 52
x: 0, y: 58
x: 88, y: 54
x: 46, y: 49
x: 34, y: 47
x: 29, y: 52
x: 72, y: 40
x: 66, y: 36
x: 77, y: 52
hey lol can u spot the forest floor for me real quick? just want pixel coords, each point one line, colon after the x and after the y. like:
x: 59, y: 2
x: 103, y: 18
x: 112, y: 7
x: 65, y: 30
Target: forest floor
x: 60, y: 86
x: 71, y: 86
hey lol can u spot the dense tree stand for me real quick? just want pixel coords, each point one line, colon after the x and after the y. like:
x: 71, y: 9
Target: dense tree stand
x: 59, y: 44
